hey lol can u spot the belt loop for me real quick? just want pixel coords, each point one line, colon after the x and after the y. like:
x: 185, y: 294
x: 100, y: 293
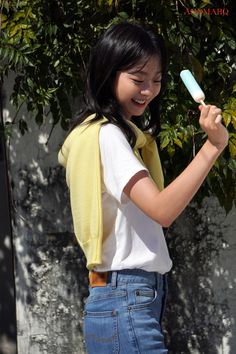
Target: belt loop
x: 114, y: 279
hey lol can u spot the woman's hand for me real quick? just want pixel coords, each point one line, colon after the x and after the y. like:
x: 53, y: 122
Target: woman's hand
x: 210, y: 122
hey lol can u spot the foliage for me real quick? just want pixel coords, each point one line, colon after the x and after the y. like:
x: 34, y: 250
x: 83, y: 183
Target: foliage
x: 46, y: 44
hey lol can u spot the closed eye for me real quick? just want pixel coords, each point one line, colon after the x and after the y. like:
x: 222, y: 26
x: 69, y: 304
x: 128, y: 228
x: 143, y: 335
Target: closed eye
x: 137, y: 81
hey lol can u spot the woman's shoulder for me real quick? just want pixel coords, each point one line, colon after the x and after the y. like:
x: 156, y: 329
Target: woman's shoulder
x: 110, y: 131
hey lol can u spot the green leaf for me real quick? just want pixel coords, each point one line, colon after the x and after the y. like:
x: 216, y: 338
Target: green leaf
x: 232, y: 147
x: 123, y: 15
x: 226, y: 118
x: 232, y: 165
x: 165, y: 142
x: 57, y: 62
x: 171, y: 150
x: 178, y: 142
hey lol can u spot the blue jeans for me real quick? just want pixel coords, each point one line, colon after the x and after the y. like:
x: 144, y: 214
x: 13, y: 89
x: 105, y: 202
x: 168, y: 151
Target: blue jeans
x: 125, y: 315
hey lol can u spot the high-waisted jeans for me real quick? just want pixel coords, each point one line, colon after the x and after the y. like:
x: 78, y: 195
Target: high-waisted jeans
x: 125, y: 315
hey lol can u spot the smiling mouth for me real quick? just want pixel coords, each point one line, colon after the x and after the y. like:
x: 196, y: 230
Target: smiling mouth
x: 141, y: 103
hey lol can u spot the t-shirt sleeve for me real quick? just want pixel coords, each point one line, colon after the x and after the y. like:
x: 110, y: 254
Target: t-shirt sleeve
x: 119, y: 163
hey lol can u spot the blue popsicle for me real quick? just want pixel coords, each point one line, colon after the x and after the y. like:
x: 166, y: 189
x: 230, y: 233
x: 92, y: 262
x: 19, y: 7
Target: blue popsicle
x: 192, y: 86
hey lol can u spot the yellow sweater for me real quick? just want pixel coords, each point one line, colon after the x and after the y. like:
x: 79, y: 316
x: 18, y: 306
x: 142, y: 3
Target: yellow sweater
x: 80, y: 155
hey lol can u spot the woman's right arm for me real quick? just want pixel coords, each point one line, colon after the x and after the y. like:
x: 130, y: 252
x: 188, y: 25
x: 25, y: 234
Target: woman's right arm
x: 165, y: 206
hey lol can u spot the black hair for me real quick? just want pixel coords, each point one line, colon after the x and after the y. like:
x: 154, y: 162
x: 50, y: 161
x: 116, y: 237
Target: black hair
x: 121, y: 47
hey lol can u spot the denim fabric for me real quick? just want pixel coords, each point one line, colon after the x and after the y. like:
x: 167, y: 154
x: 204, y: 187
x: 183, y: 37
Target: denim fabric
x: 124, y: 316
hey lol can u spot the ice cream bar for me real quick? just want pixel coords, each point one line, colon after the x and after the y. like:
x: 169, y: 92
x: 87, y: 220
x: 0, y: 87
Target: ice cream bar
x: 192, y: 86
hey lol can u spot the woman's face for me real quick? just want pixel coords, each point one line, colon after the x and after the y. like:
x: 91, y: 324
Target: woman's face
x: 135, y: 88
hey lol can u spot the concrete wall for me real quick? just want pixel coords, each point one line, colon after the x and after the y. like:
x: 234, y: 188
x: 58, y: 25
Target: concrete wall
x: 51, y: 279
x: 7, y: 283
x: 201, y: 311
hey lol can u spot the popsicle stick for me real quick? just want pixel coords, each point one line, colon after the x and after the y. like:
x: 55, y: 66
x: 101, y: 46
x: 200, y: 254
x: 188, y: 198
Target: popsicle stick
x: 203, y: 103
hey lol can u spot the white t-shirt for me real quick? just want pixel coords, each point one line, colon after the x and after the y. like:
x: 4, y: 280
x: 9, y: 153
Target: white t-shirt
x: 131, y: 238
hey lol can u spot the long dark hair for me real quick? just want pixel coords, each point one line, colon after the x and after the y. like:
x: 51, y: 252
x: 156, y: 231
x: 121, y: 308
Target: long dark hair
x: 121, y: 47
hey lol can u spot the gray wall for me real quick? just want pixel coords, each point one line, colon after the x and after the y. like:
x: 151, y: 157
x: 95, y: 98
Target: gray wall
x: 51, y: 279
x: 7, y: 286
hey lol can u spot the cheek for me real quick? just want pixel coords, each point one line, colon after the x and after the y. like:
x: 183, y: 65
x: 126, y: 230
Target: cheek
x: 157, y: 90
x: 119, y: 95
x: 124, y: 91
x: 119, y: 89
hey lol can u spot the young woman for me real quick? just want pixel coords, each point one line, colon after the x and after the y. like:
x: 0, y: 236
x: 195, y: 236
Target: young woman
x: 118, y: 200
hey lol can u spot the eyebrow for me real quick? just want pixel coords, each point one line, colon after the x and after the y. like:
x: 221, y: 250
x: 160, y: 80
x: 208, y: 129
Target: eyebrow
x: 142, y: 72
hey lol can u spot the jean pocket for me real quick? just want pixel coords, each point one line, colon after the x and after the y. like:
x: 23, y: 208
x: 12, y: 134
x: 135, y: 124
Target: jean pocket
x: 101, y: 332
x: 144, y: 296
x: 146, y: 299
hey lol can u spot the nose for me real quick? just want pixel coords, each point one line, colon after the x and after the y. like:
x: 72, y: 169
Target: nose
x: 146, y: 89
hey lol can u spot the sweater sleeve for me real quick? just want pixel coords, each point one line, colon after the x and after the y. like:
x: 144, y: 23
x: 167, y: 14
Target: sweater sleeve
x: 119, y: 163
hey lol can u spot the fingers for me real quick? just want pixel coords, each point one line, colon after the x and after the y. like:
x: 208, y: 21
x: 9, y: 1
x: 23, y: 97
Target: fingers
x: 210, y: 115
x: 204, y: 111
x: 210, y: 122
x: 218, y: 119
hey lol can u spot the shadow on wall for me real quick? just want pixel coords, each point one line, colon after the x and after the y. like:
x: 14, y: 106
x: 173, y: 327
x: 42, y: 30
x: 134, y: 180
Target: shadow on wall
x: 51, y: 279
x: 197, y: 316
x: 7, y: 293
